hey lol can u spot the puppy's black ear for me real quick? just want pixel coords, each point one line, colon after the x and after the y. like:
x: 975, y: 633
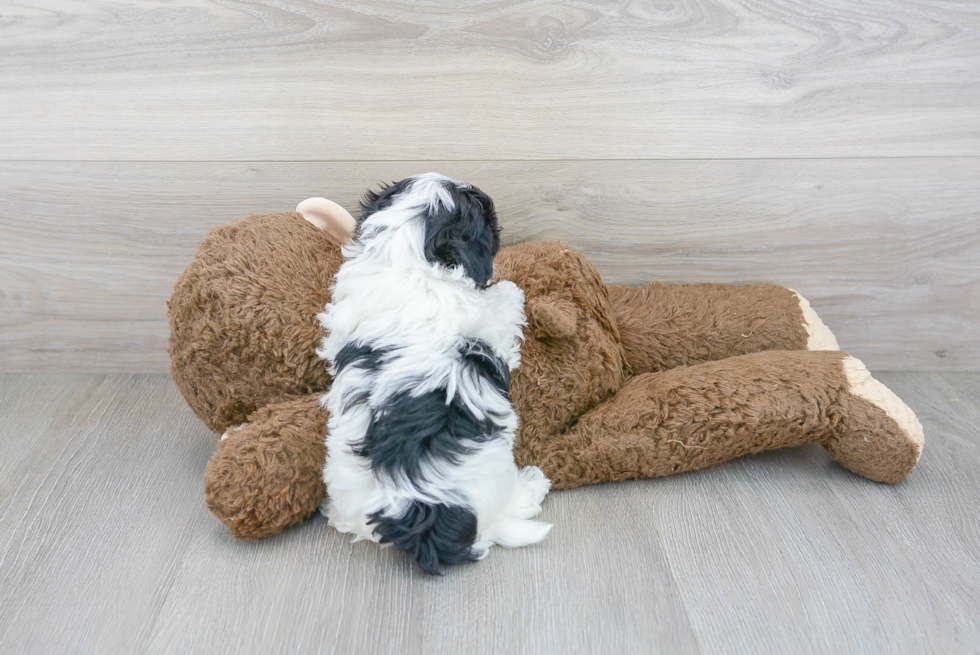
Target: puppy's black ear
x: 466, y: 236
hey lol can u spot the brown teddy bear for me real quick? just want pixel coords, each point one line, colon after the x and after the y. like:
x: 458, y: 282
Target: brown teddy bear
x: 615, y: 383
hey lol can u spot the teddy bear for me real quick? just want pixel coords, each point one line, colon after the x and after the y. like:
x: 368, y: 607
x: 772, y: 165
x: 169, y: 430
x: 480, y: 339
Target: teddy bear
x: 615, y: 382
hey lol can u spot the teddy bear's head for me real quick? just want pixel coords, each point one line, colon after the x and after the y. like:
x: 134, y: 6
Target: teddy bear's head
x: 243, y: 327
x: 571, y: 358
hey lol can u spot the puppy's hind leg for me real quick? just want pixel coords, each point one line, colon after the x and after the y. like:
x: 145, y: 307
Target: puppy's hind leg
x: 514, y: 533
x: 514, y: 527
x: 532, y: 486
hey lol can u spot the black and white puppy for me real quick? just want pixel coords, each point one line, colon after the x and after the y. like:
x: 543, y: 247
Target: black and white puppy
x: 421, y: 347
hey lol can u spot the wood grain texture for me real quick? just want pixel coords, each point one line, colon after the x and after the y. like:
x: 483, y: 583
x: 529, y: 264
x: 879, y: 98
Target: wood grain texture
x: 105, y: 547
x: 888, y: 251
x: 806, y: 526
x: 97, y: 510
x: 515, y: 79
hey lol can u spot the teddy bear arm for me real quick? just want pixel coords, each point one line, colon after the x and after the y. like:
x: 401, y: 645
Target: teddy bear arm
x: 693, y: 417
x: 267, y: 473
x: 663, y: 326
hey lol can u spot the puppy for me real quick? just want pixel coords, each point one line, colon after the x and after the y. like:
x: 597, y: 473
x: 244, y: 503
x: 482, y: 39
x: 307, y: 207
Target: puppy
x: 421, y: 347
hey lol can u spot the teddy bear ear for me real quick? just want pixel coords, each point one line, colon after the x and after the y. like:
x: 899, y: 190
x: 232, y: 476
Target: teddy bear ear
x: 552, y: 317
x: 329, y: 217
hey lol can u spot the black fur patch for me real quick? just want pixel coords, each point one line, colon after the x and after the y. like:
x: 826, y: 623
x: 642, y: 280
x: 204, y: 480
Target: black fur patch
x: 467, y: 236
x: 360, y: 356
x: 410, y: 430
x: 480, y: 355
x: 431, y: 534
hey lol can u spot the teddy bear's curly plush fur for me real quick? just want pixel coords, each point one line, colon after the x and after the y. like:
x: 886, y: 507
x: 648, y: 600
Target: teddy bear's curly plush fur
x: 615, y: 383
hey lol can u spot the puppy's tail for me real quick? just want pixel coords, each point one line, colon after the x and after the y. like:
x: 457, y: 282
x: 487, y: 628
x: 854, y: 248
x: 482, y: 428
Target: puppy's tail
x: 433, y: 534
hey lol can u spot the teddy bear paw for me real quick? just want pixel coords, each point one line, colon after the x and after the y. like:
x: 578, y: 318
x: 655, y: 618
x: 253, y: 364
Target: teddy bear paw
x: 819, y: 336
x: 880, y: 438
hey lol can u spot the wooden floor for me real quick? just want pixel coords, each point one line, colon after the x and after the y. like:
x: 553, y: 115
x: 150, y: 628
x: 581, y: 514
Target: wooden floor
x: 106, y: 547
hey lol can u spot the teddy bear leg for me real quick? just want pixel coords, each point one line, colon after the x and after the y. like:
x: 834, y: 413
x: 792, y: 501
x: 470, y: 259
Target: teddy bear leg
x: 268, y: 472
x: 663, y: 326
x: 881, y: 438
x: 692, y: 417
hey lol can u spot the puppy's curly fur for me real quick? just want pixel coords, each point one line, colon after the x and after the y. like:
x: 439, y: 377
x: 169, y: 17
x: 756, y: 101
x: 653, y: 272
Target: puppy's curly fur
x: 421, y: 347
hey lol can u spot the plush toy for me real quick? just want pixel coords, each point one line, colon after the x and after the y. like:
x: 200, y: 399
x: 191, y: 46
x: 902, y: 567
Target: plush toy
x: 615, y: 383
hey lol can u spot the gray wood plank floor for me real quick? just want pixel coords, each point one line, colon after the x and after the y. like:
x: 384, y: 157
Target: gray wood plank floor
x: 106, y: 547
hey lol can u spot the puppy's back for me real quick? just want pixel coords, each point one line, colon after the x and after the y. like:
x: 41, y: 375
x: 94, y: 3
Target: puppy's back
x: 422, y: 345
